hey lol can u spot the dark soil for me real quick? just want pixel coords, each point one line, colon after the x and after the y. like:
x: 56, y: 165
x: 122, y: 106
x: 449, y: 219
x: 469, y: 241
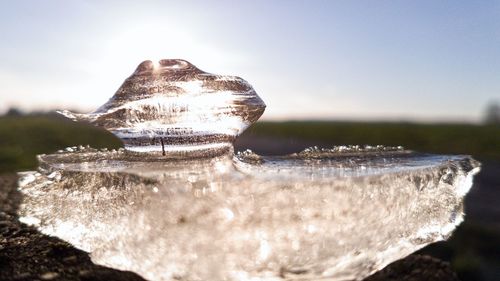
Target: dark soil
x: 415, y: 268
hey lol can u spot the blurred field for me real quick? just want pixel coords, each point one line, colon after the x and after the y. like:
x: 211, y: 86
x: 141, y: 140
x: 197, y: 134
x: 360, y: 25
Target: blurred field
x: 480, y: 141
x: 22, y: 137
x: 473, y: 250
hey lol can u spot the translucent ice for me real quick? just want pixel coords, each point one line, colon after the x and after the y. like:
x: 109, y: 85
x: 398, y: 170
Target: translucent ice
x: 329, y: 214
x: 199, y: 212
x: 174, y: 106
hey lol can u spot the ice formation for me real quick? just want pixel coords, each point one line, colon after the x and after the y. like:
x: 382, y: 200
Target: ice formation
x: 329, y: 214
x: 197, y: 211
x: 172, y: 105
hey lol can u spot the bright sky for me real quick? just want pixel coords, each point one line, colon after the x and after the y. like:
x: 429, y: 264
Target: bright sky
x: 413, y: 60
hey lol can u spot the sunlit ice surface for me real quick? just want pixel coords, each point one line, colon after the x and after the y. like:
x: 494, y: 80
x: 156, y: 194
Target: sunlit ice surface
x: 170, y: 104
x: 329, y: 214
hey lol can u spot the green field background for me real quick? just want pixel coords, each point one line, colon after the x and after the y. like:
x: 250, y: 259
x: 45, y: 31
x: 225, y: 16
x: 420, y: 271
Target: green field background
x: 22, y: 137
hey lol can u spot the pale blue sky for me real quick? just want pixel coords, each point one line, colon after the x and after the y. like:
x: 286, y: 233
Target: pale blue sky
x: 390, y: 60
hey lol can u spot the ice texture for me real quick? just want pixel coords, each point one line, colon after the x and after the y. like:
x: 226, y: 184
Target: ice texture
x: 174, y: 106
x: 321, y: 214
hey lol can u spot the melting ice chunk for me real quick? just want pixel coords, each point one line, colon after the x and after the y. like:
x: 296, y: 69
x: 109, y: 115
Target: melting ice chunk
x: 333, y: 214
x: 174, y: 106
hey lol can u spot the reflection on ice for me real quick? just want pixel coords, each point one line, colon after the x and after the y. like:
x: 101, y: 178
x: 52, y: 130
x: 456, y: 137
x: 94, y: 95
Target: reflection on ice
x: 340, y: 213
